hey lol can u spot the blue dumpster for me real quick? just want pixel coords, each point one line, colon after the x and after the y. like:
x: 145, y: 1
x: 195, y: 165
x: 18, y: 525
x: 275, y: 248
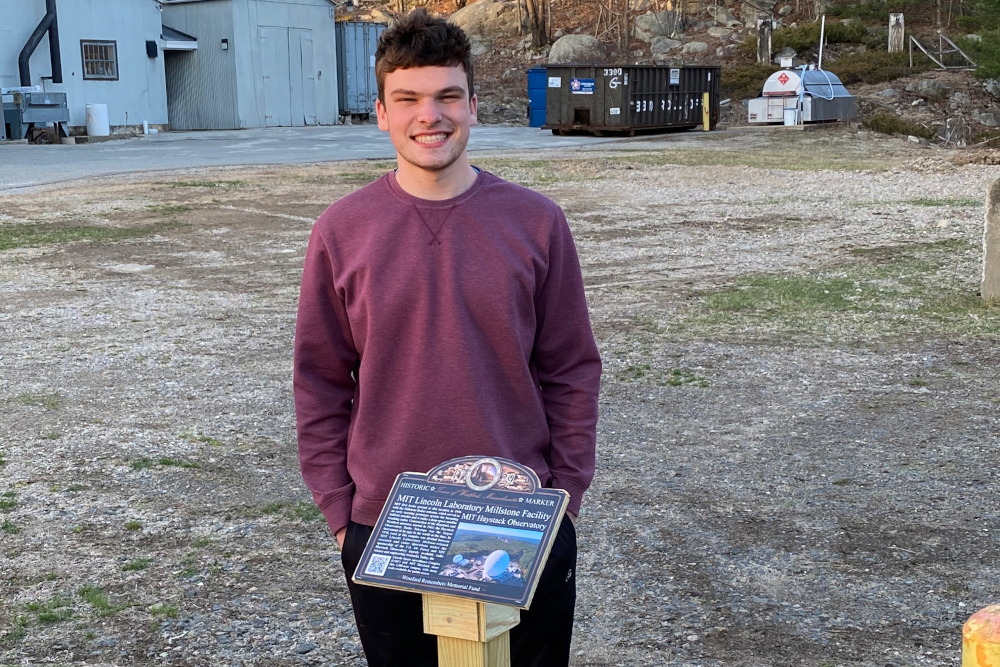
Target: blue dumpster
x: 537, y: 83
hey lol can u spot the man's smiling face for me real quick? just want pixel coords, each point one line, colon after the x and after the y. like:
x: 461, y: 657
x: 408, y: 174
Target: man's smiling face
x: 427, y: 112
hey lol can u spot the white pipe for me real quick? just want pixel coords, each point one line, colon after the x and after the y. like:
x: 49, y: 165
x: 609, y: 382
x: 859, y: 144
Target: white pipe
x: 822, y: 34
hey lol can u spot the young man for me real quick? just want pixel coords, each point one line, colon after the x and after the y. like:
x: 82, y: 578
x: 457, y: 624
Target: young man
x: 442, y: 314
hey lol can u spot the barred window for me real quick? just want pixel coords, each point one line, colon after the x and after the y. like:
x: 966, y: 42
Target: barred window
x: 100, y: 60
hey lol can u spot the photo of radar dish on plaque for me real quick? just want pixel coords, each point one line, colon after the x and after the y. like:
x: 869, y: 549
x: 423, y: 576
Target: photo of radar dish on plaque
x: 491, y: 553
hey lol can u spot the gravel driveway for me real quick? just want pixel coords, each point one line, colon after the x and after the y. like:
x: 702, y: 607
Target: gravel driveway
x: 797, y: 448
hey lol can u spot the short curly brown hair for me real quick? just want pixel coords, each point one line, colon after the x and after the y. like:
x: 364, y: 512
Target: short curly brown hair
x: 420, y: 40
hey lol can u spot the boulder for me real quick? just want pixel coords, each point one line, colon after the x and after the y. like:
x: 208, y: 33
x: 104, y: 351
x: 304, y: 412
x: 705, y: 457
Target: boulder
x: 487, y: 19
x: 650, y: 25
x: 928, y: 88
x: 787, y: 52
x: 477, y: 47
x: 694, y: 47
x: 992, y: 86
x: 974, y: 37
x: 989, y: 119
x: 663, y: 45
x: 720, y: 52
x: 719, y: 32
x: 888, y: 93
x: 749, y: 13
x: 576, y: 49
x: 785, y: 11
x: 960, y: 99
x: 722, y: 15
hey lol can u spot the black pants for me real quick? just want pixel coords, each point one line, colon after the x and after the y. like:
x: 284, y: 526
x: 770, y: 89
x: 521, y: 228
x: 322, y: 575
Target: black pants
x: 391, y: 622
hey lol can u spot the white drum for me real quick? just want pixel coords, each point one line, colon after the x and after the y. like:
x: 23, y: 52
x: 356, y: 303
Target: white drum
x: 98, y: 124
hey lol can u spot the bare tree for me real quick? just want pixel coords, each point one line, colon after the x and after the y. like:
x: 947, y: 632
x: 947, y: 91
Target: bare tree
x: 535, y: 10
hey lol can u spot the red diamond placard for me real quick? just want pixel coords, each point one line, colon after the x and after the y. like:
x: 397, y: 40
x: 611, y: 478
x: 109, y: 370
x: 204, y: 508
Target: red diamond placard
x: 783, y: 78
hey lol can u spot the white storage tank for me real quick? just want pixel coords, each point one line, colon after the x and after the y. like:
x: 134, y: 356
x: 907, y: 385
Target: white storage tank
x: 814, y: 95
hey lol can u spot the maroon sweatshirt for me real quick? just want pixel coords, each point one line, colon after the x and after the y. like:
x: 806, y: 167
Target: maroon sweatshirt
x: 429, y: 330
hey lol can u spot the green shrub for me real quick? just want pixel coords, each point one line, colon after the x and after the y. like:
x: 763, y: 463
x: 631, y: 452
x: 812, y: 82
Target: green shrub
x: 875, y: 67
x: 889, y: 124
x: 742, y: 83
x: 806, y: 36
x: 985, y: 53
x: 874, y: 10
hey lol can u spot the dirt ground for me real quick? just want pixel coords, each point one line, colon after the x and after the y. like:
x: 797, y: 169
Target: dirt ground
x: 797, y: 447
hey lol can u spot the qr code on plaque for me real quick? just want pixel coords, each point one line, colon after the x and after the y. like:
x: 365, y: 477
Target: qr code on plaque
x: 377, y: 565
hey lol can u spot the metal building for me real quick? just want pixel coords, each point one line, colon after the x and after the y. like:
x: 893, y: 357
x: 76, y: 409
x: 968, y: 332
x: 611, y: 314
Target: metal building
x: 108, y: 51
x: 250, y: 63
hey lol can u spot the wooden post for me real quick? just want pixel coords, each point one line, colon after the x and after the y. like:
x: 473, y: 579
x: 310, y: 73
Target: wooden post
x: 765, y: 29
x: 706, y: 112
x: 991, y: 251
x: 896, y: 33
x: 470, y: 633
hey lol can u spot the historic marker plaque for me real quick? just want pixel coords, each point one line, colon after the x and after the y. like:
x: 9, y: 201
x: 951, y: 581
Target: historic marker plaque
x: 472, y: 527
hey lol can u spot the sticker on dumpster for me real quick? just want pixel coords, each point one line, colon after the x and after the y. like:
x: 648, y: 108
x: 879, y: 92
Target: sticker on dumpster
x: 582, y: 86
x: 555, y: 82
x: 615, y: 111
x: 675, y: 77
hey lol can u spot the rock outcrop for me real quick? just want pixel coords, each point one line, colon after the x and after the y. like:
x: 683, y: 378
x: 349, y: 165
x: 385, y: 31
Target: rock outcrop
x: 487, y: 19
x: 576, y: 49
x: 647, y: 27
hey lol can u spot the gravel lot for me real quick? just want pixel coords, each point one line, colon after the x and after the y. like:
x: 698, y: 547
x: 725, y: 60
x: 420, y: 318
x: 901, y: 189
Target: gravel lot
x: 797, y: 448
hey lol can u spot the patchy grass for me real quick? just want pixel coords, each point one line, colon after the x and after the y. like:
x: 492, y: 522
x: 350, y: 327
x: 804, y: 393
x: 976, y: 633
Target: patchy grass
x: 303, y: 510
x: 27, y: 235
x: 142, y: 464
x: 811, y: 158
x: 73, y: 488
x: 133, y: 525
x: 53, y: 436
x: 176, y: 463
x: 208, y: 440
x: 137, y: 565
x: 47, y: 400
x: 169, y: 210
x: 97, y: 599
x: 13, y: 636
x: 8, y: 501
x: 164, y: 610
x: 676, y: 377
x: 9, y: 528
x: 228, y: 185
x: 679, y: 377
x: 956, y: 201
x: 51, y: 611
x: 922, y: 290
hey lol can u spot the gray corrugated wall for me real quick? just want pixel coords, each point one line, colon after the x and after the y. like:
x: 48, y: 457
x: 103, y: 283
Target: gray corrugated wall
x: 201, y: 85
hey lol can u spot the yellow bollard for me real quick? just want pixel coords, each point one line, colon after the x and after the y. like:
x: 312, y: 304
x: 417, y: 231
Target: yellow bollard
x: 706, y: 112
x: 981, y: 638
